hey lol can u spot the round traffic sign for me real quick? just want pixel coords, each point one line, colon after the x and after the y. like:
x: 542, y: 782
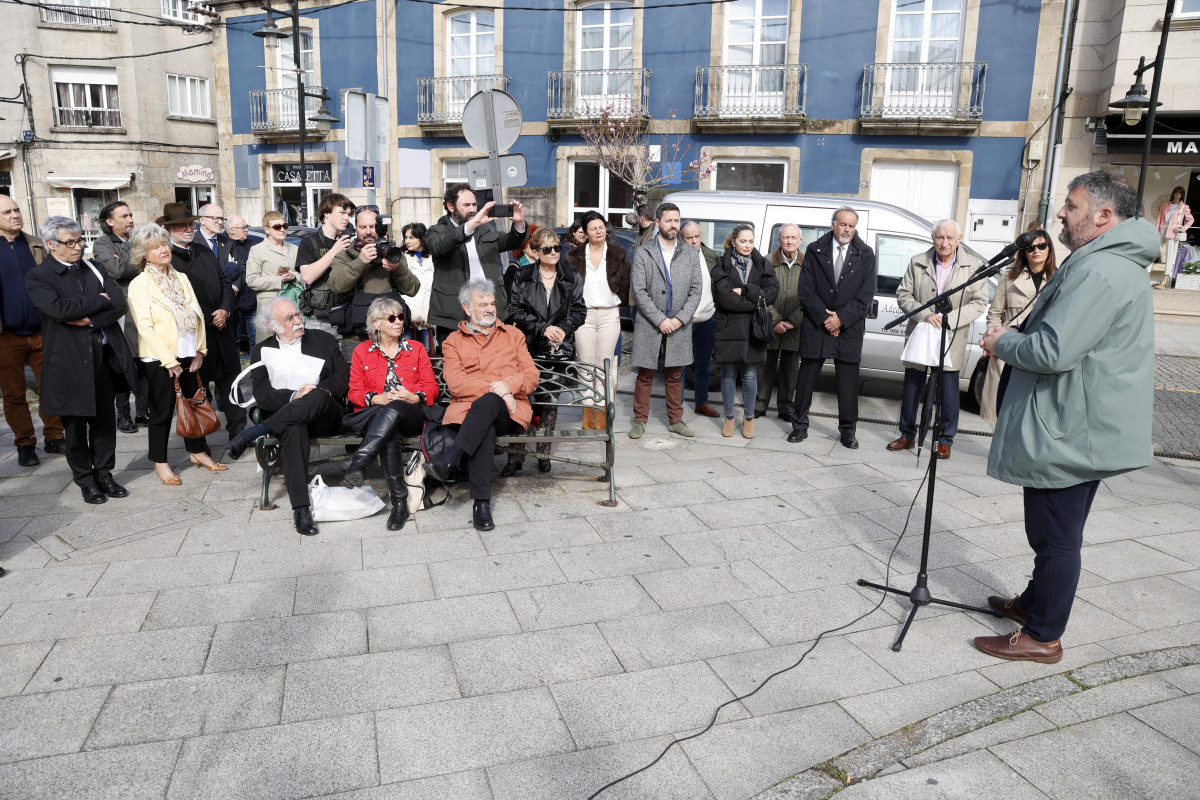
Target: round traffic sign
x: 504, y: 121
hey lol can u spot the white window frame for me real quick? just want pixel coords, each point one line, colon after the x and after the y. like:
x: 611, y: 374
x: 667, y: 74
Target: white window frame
x: 178, y: 11
x: 287, y: 68
x: 717, y: 162
x: 927, y: 13
x: 756, y: 43
x: 473, y: 37
x: 89, y: 84
x: 454, y: 170
x: 1192, y: 14
x: 92, y: 14
x: 596, y: 91
x: 183, y: 96
x: 605, y: 209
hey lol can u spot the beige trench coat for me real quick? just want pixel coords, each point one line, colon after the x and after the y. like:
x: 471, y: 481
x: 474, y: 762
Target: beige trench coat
x: 1010, y: 306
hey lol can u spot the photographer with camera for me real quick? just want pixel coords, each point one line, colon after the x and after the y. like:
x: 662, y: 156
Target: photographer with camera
x: 466, y: 247
x: 314, y: 259
x: 372, y: 265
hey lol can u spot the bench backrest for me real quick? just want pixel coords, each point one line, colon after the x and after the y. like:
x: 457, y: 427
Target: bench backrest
x: 561, y: 383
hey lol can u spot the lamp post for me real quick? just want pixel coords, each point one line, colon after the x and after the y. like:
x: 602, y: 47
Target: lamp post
x: 1136, y: 102
x: 270, y: 31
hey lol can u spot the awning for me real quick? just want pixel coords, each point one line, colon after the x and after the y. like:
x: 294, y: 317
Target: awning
x: 6, y: 154
x: 89, y: 181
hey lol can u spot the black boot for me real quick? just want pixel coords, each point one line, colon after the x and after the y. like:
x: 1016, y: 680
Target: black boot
x: 378, y: 433
x: 393, y: 473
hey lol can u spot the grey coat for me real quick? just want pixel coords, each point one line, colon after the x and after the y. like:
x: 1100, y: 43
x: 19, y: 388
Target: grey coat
x: 648, y: 289
x: 112, y: 253
x: 919, y: 285
x: 1079, y: 403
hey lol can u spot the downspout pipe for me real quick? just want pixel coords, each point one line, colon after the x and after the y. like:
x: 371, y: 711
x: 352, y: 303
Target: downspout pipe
x: 1066, y: 45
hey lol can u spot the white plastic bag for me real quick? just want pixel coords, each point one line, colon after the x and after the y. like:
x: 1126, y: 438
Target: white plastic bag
x: 922, y: 347
x: 337, y: 503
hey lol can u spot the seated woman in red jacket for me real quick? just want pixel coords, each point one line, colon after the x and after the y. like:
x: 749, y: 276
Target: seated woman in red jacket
x: 390, y: 379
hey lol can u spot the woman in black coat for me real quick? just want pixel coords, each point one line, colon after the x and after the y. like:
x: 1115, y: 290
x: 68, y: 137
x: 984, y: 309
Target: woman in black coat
x: 546, y: 305
x: 740, y: 280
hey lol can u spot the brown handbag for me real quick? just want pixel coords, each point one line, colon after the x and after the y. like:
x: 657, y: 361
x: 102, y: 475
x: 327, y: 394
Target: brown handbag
x: 195, y: 417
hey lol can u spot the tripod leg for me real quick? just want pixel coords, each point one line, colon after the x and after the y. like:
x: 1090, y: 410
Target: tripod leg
x: 896, y: 645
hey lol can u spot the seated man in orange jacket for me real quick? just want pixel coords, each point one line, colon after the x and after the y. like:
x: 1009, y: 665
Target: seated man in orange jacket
x: 490, y: 375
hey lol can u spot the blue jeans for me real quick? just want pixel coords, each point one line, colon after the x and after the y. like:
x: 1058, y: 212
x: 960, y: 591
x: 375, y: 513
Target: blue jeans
x: 914, y: 383
x: 729, y: 373
x: 1054, y: 520
x: 702, y: 353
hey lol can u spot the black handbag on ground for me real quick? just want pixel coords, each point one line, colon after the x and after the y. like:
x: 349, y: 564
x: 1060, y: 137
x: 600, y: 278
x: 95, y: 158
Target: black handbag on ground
x: 762, y: 327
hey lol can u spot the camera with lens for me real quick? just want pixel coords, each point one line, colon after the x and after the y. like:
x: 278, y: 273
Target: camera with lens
x: 385, y: 249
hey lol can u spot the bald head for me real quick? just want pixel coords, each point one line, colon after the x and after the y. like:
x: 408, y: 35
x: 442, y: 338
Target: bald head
x: 11, y: 220
x: 237, y: 228
x: 789, y: 240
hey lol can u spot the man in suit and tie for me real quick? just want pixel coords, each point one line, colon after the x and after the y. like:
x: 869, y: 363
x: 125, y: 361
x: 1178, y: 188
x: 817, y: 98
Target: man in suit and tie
x: 836, y: 289
x: 666, y: 284
x: 314, y: 409
x: 211, y: 232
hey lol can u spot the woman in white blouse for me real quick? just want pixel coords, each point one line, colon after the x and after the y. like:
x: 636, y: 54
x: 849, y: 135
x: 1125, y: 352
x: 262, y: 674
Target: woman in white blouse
x: 421, y: 265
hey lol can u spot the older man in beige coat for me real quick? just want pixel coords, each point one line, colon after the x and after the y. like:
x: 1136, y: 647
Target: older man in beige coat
x: 939, y: 268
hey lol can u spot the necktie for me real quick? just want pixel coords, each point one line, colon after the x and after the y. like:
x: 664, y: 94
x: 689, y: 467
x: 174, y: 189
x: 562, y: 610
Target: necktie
x: 216, y: 250
x: 837, y: 263
x: 667, y: 272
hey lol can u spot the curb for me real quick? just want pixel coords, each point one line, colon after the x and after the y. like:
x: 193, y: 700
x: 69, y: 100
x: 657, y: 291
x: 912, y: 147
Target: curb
x: 863, y: 763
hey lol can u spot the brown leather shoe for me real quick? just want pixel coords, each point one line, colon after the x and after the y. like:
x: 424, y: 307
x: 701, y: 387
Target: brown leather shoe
x: 1009, y: 607
x: 943, y: 451
x: 707, y: 411
x: 901, y: 444
x: 1018, y: 646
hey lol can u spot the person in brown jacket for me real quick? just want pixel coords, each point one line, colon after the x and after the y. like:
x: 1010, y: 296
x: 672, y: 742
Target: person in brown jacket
x: 490, y: 374
x: 783, y: 355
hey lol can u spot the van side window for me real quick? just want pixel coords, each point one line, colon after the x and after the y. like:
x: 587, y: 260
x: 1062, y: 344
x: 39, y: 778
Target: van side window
x: 714, y: 231
x: 892, y: 254
x: 808, y: 235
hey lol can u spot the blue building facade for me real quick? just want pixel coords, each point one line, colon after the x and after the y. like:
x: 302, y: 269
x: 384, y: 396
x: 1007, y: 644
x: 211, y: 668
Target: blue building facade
x: 924, y: 103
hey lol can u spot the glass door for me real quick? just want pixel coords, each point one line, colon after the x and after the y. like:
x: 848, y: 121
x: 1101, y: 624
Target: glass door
x: 471, y: 52
x: 756, y: 35
x: 594, y: 188
x: 926, y: 44
x: 605, y: 59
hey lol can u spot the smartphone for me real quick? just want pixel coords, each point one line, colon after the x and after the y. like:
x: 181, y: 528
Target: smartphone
x: 502, y: 210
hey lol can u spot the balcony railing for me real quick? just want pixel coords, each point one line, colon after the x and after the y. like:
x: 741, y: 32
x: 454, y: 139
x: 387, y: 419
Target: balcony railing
x: 440, y: 101
x: 763, y: 91
x: 950, y: 91
x: 276, y: 110
x: 585, y: 93
x: 88, y: 117
x: 92, y: 13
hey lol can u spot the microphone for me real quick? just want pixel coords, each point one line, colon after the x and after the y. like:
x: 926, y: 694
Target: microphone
x: 1023, y: 241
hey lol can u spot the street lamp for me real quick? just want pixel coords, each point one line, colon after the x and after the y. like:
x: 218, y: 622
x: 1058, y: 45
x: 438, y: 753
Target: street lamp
x: 1136, y: 102
x: 270, y: 31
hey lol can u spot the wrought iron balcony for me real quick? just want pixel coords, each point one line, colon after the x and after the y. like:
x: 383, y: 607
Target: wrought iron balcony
x: 276, y: 112
x: 91, y: 13
x: 586, y: 93
x: 771, y: 96
x: 88, y: 117
x: 948, y: 95
x: 440, y: 101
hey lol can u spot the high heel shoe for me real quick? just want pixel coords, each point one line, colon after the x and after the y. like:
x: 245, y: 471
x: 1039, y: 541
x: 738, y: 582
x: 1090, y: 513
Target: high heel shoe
x: 214, y: 468
x: 171, y: 481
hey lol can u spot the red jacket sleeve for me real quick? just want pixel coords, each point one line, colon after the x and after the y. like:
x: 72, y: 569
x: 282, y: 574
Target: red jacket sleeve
x: 362, y: 379
x: 426, y: 381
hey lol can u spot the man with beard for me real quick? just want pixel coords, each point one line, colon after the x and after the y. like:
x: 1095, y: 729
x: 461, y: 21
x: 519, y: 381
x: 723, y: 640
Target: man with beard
x: 315, y: 409
x: 1078, y: 403
x: 490, y: 375
x: 465, y: 247
x: 191, y: 256
x: 111, y: 251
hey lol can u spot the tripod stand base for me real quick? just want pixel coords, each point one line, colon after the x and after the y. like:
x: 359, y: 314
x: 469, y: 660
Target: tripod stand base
x: 920, y: 596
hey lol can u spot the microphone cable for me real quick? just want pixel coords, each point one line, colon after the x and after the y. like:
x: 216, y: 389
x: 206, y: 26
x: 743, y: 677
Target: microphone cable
x: 799, y: 661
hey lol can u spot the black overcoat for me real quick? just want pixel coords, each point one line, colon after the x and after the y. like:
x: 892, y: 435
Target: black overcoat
x: 851, y: 298
x: 68, y: 368
x: 447, y: 244
x: 532, y: 312
x: 731, y: 324
x: 334, y: 378
x: 213, y: 291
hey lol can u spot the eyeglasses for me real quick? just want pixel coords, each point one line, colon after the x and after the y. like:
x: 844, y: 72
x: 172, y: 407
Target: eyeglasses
x: 278, y: 226
x: 395, y: 318
x: 217, y: 219
x: 239, y: 227
x: 70, y: 245
x: 1042, y: 246
x: 554, y: 248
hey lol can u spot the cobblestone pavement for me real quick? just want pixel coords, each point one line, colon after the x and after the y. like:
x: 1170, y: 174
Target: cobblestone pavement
x: 1176, y: 405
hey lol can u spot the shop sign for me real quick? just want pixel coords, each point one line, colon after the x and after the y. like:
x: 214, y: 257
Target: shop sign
x: 1174, y: 135
x: 195, y: 173
x: 320, y: 172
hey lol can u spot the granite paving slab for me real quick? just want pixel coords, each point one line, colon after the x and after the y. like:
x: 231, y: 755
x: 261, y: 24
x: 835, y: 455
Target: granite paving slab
x: 580, y: 603
x: 472, y: 785
x: 979, y: 776
x: 1178, y: 720
x: 710, y: 584
x: 122, y: 658
x: 674, y: 637
x: 18, y: 663
x: 153, y: 574
x: 440, y: 621
x: 36, y: 725
x: 283, y: 640
x: 528, y: 660
x: 141, y: 772
x: 32, y: 585
x: 699, y: 547
x: 211, y: 605
x: 495, y: 573
x: 367, y: 588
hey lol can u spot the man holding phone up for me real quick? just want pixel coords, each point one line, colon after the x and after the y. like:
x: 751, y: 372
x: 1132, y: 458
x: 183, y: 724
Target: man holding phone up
x: 465, y: 247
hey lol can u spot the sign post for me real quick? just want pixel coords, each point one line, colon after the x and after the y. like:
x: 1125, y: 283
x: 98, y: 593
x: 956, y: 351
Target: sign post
x: 491, y: 123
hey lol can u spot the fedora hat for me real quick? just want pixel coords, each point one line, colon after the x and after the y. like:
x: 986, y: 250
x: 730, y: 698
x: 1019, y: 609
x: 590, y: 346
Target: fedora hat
x: 176, y: 214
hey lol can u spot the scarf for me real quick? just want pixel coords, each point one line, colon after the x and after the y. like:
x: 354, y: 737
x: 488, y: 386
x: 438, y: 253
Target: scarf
x: 743, y: 264
x: 186, y: 320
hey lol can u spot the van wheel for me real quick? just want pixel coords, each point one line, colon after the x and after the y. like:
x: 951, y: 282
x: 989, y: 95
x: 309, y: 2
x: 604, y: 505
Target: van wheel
x: 975, y: 388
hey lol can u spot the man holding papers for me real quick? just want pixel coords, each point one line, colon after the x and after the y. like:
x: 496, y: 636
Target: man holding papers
x: 300, y: 393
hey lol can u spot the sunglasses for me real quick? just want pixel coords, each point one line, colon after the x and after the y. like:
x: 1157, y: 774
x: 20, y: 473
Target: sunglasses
x: 395, y: 318
x: 1042, y: 246
x: 279, y: 226
x: 554, y: 248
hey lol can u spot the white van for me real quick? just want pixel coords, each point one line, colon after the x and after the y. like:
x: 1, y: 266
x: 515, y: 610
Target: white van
x: 896, y: 235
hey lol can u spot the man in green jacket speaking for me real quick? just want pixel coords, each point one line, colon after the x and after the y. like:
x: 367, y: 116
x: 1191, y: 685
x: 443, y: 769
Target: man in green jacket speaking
x: 1078, y: 402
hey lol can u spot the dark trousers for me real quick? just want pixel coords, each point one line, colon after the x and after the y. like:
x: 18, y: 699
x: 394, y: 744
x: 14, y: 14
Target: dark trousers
x: 914, y: 385
x: 141, y: 393
x: 235, y: 415
x: 487, y: 420
x: 91, y: 442
x: 1054, y: 520
x: 781, y: 370
x: 314, y: 414
x: 846, y: 373
x: 702, y: 353
x: 17, y: 350
x: 162, y: 408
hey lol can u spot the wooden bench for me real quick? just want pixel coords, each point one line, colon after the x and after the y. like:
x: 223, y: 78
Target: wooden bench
x: 566, y: 384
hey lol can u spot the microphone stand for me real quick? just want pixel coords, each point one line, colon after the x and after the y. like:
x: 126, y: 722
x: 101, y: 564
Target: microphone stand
x: 919, y: 595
